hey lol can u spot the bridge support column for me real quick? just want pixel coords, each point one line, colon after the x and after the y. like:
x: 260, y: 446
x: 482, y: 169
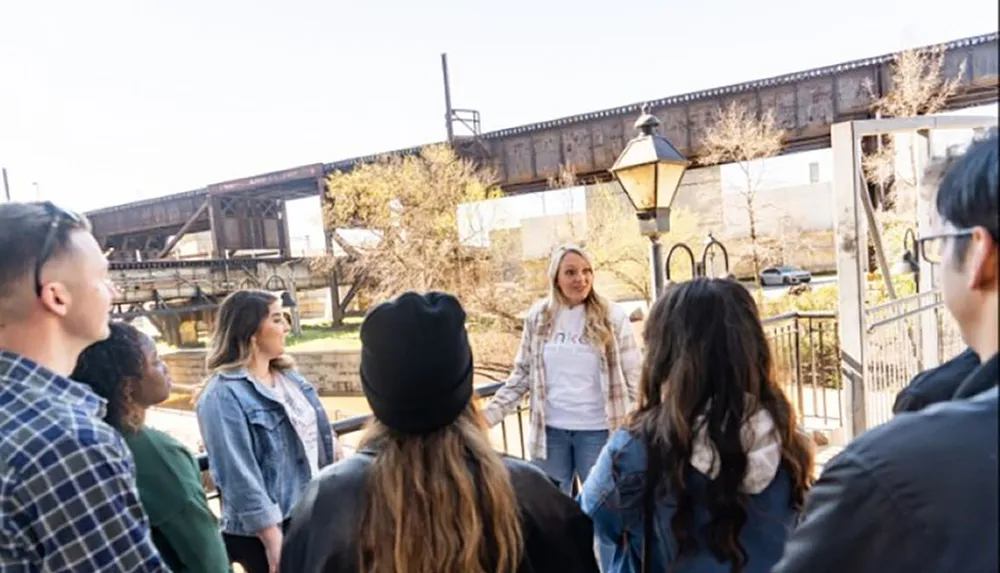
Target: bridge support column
x: 178, y: 329
x: 169, y: 327
x: 336, y: 312
x: 284, y: 237
x: 215, y: 226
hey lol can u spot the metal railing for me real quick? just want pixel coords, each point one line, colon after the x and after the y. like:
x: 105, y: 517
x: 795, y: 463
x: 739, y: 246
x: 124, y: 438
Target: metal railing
x: 806, y: 355
x: 904, y: 337
x: 502, y: 434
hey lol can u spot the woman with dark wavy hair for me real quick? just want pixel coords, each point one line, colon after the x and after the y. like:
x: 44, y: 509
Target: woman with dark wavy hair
x: 710, y: 472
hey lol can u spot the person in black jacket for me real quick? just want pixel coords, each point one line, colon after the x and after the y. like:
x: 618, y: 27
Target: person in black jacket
x: 919, y: 493
x: 426, y: 492
x: 936, y: 384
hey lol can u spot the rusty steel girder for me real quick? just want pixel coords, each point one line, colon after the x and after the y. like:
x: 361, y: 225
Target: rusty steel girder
x: 527, y: 157
x: 805, y: 104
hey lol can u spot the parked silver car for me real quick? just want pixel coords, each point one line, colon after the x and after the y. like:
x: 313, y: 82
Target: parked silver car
x: 784, y: 276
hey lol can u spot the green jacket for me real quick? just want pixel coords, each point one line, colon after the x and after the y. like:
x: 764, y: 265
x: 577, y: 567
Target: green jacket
x: 185, y: 530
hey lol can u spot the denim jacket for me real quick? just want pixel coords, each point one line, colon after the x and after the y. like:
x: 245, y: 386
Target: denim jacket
x: 257, y: 460
x: 612, y: 496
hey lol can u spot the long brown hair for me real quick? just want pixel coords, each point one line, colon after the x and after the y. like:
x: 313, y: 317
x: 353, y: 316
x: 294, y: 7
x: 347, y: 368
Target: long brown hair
x: 240, y: 316
x: 439, y: 502
x: 707, y: 354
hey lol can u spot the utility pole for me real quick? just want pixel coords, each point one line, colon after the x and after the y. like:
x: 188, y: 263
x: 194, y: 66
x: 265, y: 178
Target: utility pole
x: 6, y: 185
x: 468, y: 118
x: 447, y: 100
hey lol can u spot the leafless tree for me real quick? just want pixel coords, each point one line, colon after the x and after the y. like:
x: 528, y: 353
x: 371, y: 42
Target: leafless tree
x: 744, y: 137
x: 620, y: 252
x: 918, y: 87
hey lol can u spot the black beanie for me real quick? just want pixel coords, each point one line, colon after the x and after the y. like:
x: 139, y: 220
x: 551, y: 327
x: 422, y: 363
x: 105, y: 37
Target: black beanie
x: 416, y: 363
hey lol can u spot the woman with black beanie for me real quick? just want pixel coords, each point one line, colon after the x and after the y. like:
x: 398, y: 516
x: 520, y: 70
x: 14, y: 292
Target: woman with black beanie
x: 426, y: 492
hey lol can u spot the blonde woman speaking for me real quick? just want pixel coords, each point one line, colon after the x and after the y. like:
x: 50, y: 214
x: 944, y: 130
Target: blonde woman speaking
x: 579, y: 363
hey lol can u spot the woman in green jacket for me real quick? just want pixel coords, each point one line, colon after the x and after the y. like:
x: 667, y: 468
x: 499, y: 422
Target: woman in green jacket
x: 127, y: 371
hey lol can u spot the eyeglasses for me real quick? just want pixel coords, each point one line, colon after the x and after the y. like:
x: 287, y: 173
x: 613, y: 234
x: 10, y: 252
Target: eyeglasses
x: 59, y: 217
x: 931, y: 247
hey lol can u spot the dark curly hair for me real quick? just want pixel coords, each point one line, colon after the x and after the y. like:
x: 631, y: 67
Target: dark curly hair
x: 111, y: 367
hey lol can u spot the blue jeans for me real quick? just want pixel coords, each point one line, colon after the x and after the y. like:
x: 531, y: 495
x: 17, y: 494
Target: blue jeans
x: 571, y: 454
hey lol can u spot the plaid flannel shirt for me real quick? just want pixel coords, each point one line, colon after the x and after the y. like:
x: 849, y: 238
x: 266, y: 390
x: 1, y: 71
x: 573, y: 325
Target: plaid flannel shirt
x: 619, y: 376
x: 68, y: 501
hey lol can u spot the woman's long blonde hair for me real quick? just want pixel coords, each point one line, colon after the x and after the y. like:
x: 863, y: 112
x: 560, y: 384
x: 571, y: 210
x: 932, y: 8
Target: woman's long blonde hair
x: 597, y: 330
x: 439, y: 502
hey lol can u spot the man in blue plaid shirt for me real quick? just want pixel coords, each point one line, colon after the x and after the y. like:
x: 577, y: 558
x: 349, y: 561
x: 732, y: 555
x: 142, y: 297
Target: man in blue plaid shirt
x: 68, y: 501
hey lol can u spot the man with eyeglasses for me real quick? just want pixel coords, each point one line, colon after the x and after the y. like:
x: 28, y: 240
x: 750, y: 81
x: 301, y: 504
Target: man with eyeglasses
x: 68, y: 501
x: 920, y: 492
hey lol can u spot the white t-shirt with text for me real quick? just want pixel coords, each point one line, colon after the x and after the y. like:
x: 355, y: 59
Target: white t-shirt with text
x: 574, y: 399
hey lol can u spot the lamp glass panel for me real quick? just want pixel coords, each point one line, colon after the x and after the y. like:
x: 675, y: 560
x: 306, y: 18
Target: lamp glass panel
x: 668, y: 182
x: 639, y: 183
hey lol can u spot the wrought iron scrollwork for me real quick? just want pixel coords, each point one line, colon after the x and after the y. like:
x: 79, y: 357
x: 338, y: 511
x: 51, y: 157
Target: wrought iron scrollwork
x: 699, y: 268
x: 670, y: 255
x: 712, y: 244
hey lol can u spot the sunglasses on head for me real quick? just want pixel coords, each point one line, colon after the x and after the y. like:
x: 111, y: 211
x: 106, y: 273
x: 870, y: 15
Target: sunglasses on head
x: 59, y: 217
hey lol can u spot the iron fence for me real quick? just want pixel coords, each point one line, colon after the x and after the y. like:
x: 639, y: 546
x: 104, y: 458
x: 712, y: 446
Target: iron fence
x: 806, y: 355
x: 508, y: 432
x: 896, y: 347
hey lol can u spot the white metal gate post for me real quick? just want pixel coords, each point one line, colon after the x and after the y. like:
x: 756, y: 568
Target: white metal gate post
x: 853, y: 211
x: 930, y: 353
x: 852, y: 257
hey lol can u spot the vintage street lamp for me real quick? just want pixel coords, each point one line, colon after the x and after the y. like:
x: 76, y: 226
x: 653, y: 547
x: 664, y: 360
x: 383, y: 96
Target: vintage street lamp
x: 649, y: 169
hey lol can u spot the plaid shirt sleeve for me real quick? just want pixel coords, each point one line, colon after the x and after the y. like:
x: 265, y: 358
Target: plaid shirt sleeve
x: 76, y: 507
x: 508, y: 398
x: 630, y: 359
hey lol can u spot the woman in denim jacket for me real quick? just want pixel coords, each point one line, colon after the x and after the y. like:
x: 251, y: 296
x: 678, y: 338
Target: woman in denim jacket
x: 264, y: 428
x: 710, y: 473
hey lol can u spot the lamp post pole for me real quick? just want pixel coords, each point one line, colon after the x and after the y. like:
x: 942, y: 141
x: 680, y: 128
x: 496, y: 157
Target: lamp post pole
x: 656, y: 264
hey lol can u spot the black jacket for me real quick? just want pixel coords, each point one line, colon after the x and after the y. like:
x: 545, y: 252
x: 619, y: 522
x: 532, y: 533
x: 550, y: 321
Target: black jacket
x: 937, y: 384
x: 918, y: 493
x: 322, y: 534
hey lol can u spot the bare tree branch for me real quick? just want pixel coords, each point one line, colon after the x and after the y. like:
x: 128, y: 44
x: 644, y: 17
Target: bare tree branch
x: 741, y: 136
x: 918, y: 88
x: 620, y: 252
